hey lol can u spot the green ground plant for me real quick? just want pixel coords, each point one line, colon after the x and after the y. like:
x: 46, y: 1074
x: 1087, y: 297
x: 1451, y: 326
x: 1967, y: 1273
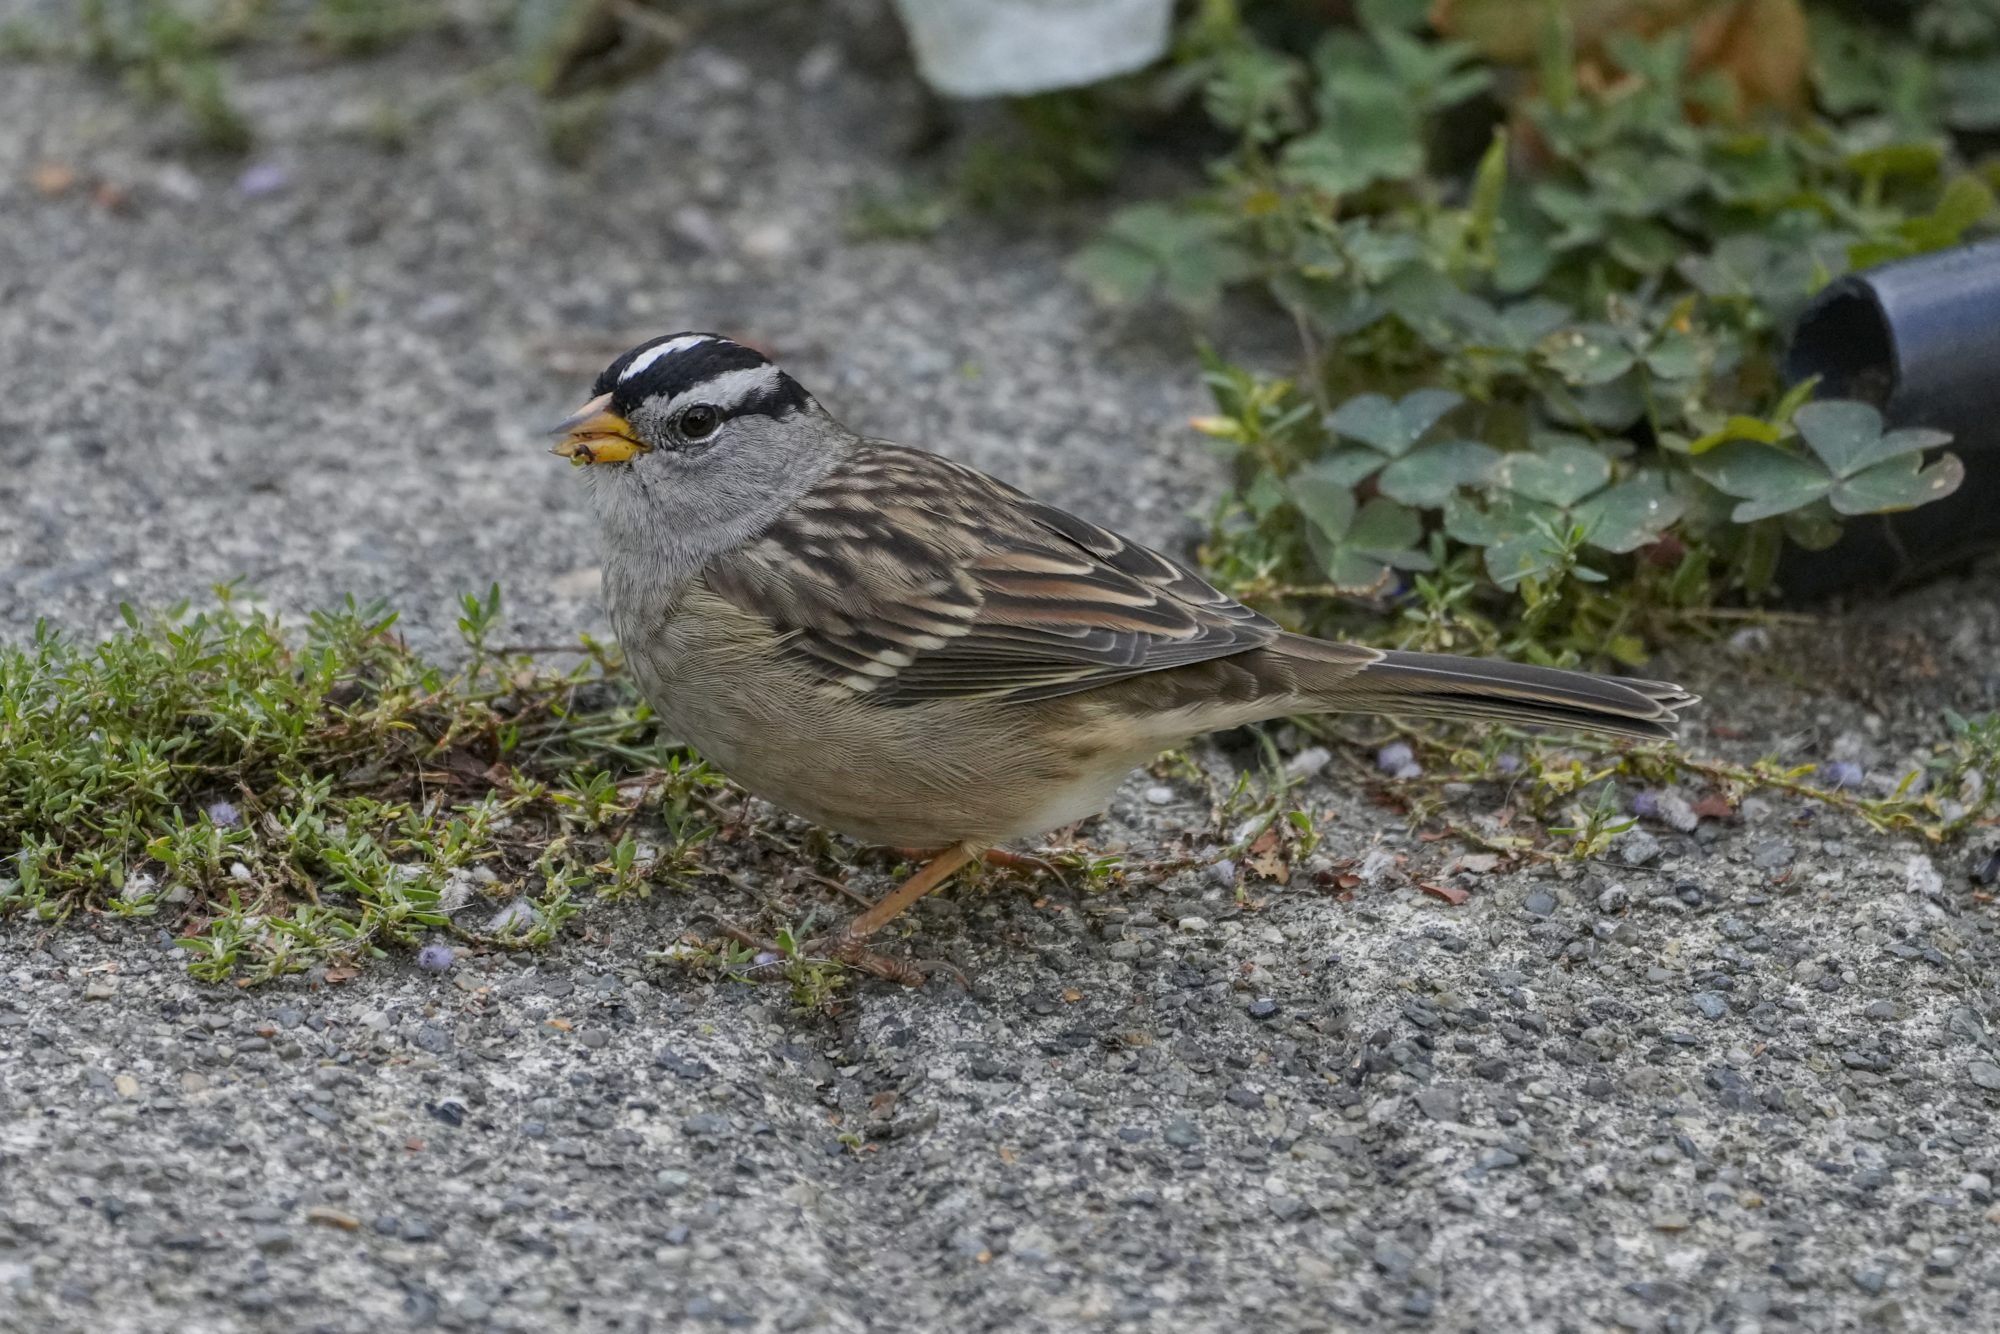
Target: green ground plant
x: 288, y: 801
x: 1538, y: 409
x: 182, y: 53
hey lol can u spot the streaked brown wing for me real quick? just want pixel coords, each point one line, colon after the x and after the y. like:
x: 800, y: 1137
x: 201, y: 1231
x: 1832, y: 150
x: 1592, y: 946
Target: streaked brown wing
x: 908, y: 577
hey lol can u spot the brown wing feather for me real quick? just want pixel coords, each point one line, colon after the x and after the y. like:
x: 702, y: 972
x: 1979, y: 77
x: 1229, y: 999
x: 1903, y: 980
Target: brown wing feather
x: 908, y: 577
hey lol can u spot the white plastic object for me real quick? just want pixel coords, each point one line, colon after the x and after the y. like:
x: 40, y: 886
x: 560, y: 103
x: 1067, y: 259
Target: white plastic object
x: 1009, y: 48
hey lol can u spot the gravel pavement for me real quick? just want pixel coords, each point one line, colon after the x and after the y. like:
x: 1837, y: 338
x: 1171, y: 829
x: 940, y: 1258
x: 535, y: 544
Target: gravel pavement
x: 1738, y: 1078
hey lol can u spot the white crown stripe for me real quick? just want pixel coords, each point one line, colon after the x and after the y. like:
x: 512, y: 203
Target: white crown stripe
x: 666, y: 349
x: 729, y: 390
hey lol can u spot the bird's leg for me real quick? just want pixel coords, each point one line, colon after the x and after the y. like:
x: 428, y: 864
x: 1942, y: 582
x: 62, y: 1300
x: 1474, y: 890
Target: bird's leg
x: 845, y: 944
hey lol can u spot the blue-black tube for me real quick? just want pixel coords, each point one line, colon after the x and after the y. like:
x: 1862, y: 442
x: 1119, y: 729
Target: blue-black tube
x: 1920, y: 339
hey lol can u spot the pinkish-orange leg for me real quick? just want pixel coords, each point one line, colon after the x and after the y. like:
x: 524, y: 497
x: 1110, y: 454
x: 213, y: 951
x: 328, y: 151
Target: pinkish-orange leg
x: 845, y: 944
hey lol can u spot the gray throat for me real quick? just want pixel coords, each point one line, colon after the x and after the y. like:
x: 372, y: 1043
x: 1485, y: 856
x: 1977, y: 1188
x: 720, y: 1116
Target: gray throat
x: 658, y: 530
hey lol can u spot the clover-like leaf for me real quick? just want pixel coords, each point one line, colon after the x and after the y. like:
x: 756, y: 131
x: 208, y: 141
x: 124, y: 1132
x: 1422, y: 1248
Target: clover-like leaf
x: 1189, y: 257
x: 1768, y: 480
x: 1430, y: 475
x: 1676, y: 356
x: 1264, y: 494
x: 1392, y: 426
x: 1325, y: 501
x: 1900, y: 484
x: 1642, y: 245
x: 1252, y: 91
x: 1579, y: 215
x: 1526, y: 323
x: 1559, y: 470
x: 1502, y: 516
x: 1384, y: 528
x: 1523, y: 556
x: 1366, y: 138
x: 1379, y: 538
x: 1631, y: 514
x: 1586, y: 354
x: 1348, y: 467
x: 1849, y: 437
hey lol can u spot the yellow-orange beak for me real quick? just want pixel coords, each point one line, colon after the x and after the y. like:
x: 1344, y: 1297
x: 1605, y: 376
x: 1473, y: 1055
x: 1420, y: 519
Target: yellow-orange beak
x: 596, y: 434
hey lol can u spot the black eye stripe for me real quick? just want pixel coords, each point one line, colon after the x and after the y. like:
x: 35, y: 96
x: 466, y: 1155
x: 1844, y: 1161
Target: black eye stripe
x: 785, y: 396
x: 680, y: 372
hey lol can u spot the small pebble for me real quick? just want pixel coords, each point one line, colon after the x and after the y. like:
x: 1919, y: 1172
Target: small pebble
x: 1159, y: 796
x: 1750, y: 641
x: 1307, y: 763
x: 1637, y: 848
x: 1263, y: 1008
x: 520, y: 915
x: 1842, y: 774
x: 1921, y: 876
x: 1394, y: 758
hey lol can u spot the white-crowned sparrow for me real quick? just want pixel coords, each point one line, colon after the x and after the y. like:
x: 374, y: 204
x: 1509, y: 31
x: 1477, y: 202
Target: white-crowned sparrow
x: 906, y: 650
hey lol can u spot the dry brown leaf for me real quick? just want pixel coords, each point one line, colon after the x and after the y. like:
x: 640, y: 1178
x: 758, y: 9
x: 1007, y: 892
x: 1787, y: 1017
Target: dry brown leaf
x: 1760, y: 45
x: 1272, y: 866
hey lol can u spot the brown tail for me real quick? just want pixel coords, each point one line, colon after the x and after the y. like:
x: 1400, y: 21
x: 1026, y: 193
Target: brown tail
x: 1439, y: 685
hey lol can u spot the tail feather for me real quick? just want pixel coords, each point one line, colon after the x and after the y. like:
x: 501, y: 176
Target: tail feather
x: 1439, y: 685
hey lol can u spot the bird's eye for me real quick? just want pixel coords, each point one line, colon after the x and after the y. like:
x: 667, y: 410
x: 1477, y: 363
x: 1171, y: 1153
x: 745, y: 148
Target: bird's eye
x: 700, y: 421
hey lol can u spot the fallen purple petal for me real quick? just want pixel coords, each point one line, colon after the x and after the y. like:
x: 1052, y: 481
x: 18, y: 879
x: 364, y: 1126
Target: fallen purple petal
x: 263, y: 178
x: 1394, y: 758
x: 1842, y: 774
x: 224, y: 815
x: 435, y: 958
x: 1646, y: 804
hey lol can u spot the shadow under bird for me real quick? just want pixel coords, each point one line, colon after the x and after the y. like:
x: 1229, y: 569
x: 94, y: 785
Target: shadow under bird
x: 908, y: 651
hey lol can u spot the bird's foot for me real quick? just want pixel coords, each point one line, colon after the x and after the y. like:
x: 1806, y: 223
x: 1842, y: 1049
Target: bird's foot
x: 770, y: 958
x: 845, y: 949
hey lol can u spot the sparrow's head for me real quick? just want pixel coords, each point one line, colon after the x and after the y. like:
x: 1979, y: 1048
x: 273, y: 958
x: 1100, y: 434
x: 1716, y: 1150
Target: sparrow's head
x: 682, y: 403
x: 693, y: 443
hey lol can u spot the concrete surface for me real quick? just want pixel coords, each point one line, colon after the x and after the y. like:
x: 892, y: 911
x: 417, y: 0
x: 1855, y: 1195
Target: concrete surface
x: 1738, y: 1079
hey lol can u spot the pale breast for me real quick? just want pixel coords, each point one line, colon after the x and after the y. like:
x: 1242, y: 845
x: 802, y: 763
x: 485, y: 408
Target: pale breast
x: 920, y: 775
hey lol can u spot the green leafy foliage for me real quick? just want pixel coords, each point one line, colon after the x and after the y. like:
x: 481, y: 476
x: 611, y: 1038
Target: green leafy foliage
x: 285, y: 801
x: 1538, y: 405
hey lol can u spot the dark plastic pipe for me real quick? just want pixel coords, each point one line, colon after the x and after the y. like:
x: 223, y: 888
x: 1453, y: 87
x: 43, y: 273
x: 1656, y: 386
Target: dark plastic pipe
x: 1920, y: 339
